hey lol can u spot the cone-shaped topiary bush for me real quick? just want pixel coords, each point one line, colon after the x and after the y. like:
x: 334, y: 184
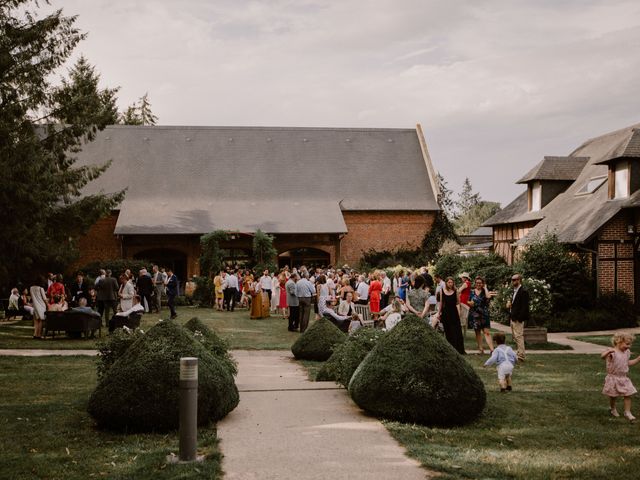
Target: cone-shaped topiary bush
x: 318, y: 341
x: 348, y: 355
x: 212, y: 342
x: 414, y: 375
x: 140, y: 391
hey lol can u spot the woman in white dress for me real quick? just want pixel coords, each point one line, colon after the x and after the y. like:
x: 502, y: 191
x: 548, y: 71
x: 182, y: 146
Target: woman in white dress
x: 126, y: 293
x: 275, y: 293
x: 39, y: 302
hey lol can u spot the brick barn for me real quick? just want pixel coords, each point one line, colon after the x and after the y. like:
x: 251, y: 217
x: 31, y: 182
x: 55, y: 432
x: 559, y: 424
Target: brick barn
x: 326, y: 194
x: 591, y: 200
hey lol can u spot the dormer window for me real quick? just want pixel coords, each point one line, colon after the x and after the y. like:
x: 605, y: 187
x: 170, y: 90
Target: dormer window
x: 592, y: 185
x: 535, y: 196
x: 619, y: 177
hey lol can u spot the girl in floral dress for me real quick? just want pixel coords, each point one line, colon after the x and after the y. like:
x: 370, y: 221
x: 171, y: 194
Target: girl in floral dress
x: 617, y: 383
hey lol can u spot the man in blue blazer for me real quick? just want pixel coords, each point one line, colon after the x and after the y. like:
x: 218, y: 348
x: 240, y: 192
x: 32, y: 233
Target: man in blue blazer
x: 172, y: 292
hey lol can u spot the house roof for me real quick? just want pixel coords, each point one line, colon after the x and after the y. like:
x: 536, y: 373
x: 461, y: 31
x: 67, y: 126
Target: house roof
x: 575, y: 217
x: 628, y: 149
x: 517, y: 211
x: 243, y: 178
x: 556, y: 168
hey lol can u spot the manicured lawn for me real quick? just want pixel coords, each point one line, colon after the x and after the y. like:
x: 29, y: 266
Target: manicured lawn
x: 240, y: 331
x: 605, y: 340
x: 45, y: 431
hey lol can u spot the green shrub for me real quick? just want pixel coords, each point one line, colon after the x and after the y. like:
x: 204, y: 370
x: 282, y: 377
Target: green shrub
x: 540, y: 303
x: 611, y: 312
x: 448, y: 266
x: 414, y: 375
x: 140, y: 391
x: 493, y: 268
x: 116, y: 265
x: 318, y: 341
x: 567, y: 272
x: 204, y: 293
x: 348, y: 355
x: 212, y: 342
x: 112, y: 347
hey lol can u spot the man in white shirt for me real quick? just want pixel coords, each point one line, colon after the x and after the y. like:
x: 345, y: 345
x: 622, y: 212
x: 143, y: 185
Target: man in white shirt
x: 158, y: 278
x: 362, y: 290
x: 230, y: 292
x: 136, y: 308
x: 266, y: 283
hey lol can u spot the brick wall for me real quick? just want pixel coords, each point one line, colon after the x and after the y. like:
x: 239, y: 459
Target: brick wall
x: 382, y: 231
x: 616, y: 269
x: 100, y: 243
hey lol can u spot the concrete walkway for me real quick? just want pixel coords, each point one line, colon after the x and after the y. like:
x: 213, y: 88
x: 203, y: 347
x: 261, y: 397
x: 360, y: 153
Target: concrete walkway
x: 287, y: 427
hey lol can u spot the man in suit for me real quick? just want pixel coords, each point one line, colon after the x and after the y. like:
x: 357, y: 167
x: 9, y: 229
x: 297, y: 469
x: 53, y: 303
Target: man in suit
x: 518, y: 308
x: 172, y: 292
x: 292, y: 302
x: 78, y: 289
x: 158, y: 287
x: 107, y: 295
x: 145, y: 287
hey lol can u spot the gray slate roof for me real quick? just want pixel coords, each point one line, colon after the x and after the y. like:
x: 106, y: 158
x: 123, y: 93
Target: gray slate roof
x: 515, y: 212
x: 198, y: 179
x: 576, y: 218
x: 628, y: 149
x: 556, y: 168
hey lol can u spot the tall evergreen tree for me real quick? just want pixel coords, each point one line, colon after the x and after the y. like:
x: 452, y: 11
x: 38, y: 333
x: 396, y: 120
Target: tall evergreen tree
x: 43, y: 210
x: 139, y: 113
x: 467, y: 200
x: 442, y: 229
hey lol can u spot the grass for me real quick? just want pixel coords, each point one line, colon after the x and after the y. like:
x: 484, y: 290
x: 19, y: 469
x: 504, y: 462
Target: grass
x: 605, y: 340
x: 45, y: 431
x: 554, y: 425
x: 236, y: 327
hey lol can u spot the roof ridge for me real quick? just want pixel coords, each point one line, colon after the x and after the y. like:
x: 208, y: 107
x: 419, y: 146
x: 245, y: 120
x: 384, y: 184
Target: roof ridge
x: 257, y: 127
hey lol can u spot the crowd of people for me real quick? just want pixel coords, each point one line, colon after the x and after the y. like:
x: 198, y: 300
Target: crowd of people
x: 334, y: 293
x: 106, y: 296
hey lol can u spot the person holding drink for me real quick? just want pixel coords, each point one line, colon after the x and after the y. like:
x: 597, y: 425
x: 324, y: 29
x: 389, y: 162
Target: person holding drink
x: 478, y: 318
x: 518, y: 308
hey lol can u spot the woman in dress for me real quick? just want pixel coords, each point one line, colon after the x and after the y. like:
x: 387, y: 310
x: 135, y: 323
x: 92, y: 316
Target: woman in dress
x: 39, y: 301
x: 55, y: 289
x: 259, y: 307
x: 345, y: 287
x: 479, y: 313
x: 218, y: 292
x: 375, y: 292
x: 464, y: 291
x: 403, y: 283
x: 126, y: 293
x: 282, y: 303
x: 346, y: 306
x: 448, y: 315
x: 275, y: 293
x: 417, y: 298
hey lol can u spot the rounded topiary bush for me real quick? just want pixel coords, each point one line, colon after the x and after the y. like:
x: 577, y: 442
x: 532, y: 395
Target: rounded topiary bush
x: 414, y: 375
x: 140, y: 391
x: 347, y: 356
x: 212, y: 342
x: 318, y: 341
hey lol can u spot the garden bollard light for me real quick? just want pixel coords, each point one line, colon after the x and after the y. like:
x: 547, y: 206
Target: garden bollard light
x: 188, y: 409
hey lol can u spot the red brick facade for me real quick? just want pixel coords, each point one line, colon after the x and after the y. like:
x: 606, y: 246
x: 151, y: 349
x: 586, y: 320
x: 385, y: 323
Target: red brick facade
x: 616, y: 259
x: 382, y: 231
x: 100, y: 243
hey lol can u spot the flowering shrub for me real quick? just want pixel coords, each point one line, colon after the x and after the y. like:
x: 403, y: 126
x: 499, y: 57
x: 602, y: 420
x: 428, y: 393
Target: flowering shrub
x: 113, y: 347
x: 540, y: 302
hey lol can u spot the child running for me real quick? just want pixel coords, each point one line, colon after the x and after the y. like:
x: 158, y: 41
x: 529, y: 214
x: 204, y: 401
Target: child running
x: 505, y: 358
x: 617, y: 383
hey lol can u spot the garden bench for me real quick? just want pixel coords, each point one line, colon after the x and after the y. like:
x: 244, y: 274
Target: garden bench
x: 365, y: 315
x: 72, y: 322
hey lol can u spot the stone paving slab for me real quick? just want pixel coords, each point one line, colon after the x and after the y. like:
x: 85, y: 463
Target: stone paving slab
x: 287, y: 427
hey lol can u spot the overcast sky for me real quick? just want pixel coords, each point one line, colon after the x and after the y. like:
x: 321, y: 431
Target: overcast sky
x: 496, y: 85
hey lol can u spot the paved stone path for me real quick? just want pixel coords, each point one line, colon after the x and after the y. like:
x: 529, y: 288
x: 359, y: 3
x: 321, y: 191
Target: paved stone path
x: 287, y: 427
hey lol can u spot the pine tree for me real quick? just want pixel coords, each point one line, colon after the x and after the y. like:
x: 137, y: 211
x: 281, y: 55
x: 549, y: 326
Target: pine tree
x: 139, y: 113
x: 43, y: 209
x: 467, y: 200
x: 442, y: 229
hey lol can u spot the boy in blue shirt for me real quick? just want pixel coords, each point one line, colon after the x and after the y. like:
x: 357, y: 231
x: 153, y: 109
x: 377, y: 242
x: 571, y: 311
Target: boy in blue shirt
x: 505, y: 358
